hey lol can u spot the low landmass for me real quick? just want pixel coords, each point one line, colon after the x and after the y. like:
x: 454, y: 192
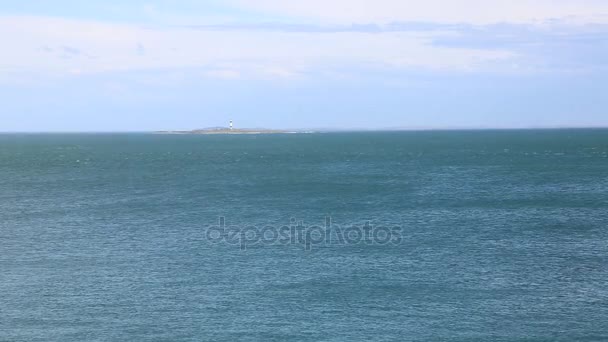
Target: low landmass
x: 225, y: 130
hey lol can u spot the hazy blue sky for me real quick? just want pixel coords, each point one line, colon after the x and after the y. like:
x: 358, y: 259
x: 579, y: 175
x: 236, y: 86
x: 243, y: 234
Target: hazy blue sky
x: 179, y: 64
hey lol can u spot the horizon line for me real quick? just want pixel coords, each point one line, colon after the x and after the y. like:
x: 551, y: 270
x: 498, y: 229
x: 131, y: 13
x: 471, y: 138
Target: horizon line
x: 328, y: 130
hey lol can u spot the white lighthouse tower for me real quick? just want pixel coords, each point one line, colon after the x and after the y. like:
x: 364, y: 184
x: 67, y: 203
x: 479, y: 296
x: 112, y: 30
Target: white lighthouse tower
x: 231, y: 125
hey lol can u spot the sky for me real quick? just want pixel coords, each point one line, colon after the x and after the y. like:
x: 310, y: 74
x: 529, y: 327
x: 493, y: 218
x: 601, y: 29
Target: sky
x: 114, y: 65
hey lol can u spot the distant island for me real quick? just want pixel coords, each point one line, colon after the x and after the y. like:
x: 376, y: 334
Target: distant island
x: 232, y: 130
x: 227, y: 130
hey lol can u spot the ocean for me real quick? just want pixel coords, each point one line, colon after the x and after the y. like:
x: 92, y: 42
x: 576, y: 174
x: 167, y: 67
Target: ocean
x: 368, y: 236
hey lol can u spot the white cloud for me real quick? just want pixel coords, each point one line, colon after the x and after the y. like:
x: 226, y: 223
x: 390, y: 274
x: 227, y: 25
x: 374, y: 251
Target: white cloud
x: 39, y: 44
x: 438, y: 11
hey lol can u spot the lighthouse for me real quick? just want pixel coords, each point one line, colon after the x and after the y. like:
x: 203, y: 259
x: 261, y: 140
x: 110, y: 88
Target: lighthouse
x: 231, y: 125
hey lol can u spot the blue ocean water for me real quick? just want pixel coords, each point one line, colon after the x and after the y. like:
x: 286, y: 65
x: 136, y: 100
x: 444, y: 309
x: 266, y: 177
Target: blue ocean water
x: 503, y: 237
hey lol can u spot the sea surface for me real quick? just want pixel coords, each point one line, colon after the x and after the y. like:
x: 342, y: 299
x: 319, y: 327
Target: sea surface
x: 496, y: 236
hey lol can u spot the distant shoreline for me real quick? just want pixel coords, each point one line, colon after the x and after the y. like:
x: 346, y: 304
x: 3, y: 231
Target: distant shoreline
x: 328, y: 130
x: 216, y: 131
x: 226, y: 131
